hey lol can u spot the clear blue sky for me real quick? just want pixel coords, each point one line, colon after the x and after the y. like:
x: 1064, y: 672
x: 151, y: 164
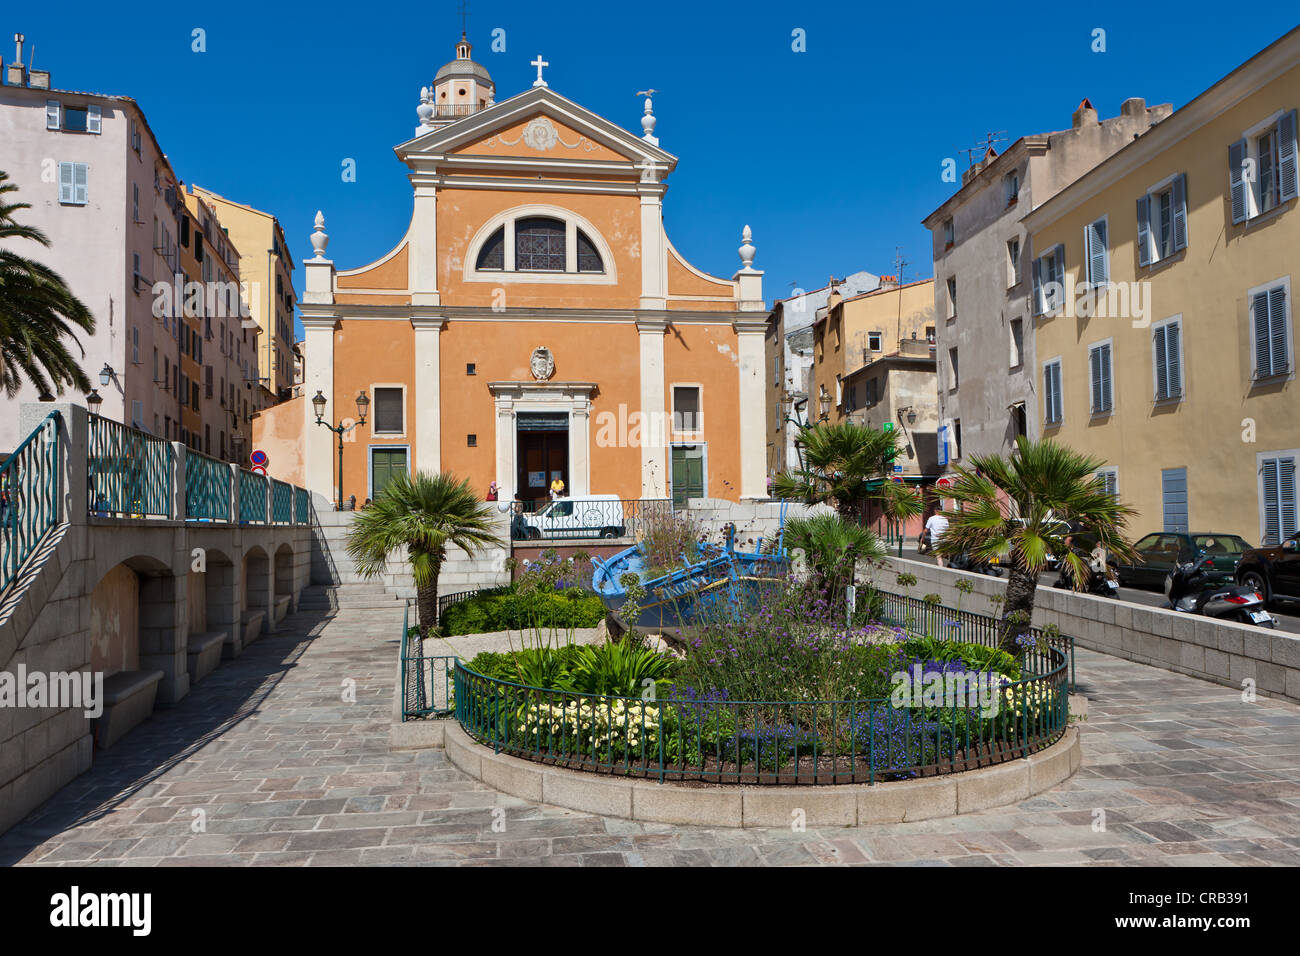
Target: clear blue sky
x: 832, y: 155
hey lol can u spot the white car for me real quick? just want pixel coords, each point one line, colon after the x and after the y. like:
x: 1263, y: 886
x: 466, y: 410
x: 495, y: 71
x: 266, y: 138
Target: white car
x: 584, y: 516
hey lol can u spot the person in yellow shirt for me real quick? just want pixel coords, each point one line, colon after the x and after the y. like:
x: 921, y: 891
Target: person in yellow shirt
x: 557, y: 488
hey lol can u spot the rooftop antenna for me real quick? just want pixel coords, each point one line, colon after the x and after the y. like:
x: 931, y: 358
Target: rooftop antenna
x: 899, y: 263
x: 996, y: 136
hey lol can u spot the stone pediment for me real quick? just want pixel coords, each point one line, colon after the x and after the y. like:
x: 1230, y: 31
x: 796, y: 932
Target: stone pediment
x: 539, y: 124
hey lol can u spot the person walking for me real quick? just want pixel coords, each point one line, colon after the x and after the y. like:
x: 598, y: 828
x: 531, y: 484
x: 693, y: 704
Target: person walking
x: 492, y: 492
x: 935, y: 528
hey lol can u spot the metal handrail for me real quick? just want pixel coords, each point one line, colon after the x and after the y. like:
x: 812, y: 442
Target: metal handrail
x: 30, y: 493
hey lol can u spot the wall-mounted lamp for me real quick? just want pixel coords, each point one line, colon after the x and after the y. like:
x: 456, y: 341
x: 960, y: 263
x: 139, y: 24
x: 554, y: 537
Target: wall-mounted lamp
x: 106, y: 374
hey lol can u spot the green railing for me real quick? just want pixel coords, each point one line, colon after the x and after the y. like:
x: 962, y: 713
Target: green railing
x: 301, y: 503
x: 252, y: 498
x: 721, y: 741
x: 281, y: 502
x: 207, y: 488
x: 128, y: 472
x: 29, y: 496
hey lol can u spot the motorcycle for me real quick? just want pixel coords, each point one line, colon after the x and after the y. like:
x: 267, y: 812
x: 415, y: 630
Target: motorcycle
x: 1189, y: 589
x: 967, y: 562
x: 1098, y: 583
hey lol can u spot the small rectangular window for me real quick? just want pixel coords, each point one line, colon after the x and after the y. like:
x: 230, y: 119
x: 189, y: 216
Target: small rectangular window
x: 471, y: 368
x: 74, y: 120
x: 952, y: 297
x: 1013, y: 261
x: 1017, y: 342
x: 471, y: 441
x: 952, y: 368
x: 1269, y: 315
x: 1052, y: 400
x: 949, y: 233
x: 1011, y: 187
x: 1168, y: 361
x: 1278, y: 503
x: 388, y: 411
x: 73, y: 183
x: 686, y: 408
x: 1099, y: 363
x: 875, y: 341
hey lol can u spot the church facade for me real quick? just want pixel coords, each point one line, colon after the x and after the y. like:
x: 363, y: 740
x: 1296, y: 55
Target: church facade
x: 535, y: 322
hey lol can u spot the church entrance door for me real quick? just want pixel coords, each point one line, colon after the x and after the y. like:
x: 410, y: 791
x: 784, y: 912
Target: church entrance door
x: 542, y: 454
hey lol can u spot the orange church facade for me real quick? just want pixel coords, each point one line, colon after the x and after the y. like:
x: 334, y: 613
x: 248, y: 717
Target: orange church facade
x: 535, y: 322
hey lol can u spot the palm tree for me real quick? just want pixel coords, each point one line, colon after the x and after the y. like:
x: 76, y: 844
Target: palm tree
x: 832, y: 546
x: 37, y: 312
x: 1028, y: 505
x: 849, y: 465
x: 424, y: 514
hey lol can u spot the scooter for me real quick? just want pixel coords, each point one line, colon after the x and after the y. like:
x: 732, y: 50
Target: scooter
x: 967, y: 562
x: 1188, y: 589
x: 1098, y: 583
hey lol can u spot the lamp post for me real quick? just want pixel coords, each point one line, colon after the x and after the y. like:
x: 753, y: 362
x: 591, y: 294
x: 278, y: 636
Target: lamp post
x: 790, y: 407
x: 94, y: 401
x: 318, y: 403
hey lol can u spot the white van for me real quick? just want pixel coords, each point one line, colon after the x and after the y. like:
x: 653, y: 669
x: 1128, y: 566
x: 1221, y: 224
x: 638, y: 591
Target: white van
x: 583, y: 516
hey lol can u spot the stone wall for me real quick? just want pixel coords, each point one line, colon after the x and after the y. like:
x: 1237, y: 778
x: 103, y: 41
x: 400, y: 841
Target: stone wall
x: 1220, y: 651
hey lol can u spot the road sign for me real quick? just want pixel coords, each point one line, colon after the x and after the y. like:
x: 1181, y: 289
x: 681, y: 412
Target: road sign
x: 258, y: 457
x: 944, y: 483
x: 258, y: 470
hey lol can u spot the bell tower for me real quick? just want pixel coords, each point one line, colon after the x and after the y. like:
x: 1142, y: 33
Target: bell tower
x: 460, y: 88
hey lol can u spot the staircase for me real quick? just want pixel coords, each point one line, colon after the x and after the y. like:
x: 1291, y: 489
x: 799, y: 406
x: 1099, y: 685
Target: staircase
x: 460, y: 572
x: 348, y: 597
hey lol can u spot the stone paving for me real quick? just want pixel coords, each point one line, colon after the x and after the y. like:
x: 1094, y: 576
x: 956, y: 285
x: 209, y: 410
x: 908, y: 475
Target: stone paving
x: 279, y: 769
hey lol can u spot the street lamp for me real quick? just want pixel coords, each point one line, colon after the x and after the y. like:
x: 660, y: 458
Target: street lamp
x: 318, y: 404
x: 105, y: 374
x: 94, y: 401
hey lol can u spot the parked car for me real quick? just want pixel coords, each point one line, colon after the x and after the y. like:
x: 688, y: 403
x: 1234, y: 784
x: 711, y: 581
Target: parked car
x: 1159, y: 552
x: 1274, y: 570
x: 588, y: 516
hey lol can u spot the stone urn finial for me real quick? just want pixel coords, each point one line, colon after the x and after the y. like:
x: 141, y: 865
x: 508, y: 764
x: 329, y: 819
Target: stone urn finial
x: 747, y: 249
x: 319, y: 239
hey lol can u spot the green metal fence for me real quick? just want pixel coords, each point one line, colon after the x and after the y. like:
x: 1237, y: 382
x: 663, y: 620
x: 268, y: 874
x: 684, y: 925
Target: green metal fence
x: 301, y: 502
x: 207, y: 488
x: 128, y: 472
x: 281, y: 502
x: 252, y: 498
x: 426, y: 680
x: 29, y: 495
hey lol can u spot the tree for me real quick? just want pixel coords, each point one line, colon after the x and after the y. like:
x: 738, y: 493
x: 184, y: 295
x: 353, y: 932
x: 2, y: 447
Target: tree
x: 849, y: 466
x: 37, y: 312
x: 832, y: 546
x: 424, y: 514
x: 1025, y: 507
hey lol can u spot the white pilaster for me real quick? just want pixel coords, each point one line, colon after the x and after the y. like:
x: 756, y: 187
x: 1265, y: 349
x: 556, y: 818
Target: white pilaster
x: 318, y: 446
x: 654, y: 247
x: 428, y: 392
x: 654, y: 466
x: 506, y: 471
x: 753, y: 407
x: 579, y: 446
x: 422, y: 254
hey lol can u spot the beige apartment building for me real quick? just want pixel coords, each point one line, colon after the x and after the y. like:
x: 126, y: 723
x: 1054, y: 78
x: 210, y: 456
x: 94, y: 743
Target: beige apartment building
x: 985, y: 347
x: 1162, y: 301
x: 267, y: 269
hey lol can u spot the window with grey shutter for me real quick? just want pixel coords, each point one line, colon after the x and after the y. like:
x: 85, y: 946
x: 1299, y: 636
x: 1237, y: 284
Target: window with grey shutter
x: 1167, y: 362
x: 1052, y: 392
x: 1288, y: 172
x: 1179, y: 197
x: 1279, y: 504
x: 93, y: 119
x: 387, y: 411
x: 1144, y: 230
x: 1040, y: 306
x: 1099, y: 359
x: 1237, y: 180
x: 1268, y: 317
x: 65, y: 183
x: 52, y: 112
x: 80, y: 184
x: 1098, y: 264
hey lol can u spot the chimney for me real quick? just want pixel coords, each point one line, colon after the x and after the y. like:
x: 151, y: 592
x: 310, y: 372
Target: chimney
x: 1085, y: 114
x: 39, y: 79
x: 17, y: 75
x: 888, y: 282
x: 1135, y: 107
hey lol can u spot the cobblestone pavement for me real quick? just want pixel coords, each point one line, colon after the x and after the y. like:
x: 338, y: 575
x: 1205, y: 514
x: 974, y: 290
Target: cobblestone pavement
x: 286, y: 772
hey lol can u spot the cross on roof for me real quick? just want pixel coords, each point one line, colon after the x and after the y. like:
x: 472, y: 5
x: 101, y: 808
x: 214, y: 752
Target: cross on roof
x: 539, y: 63
x: 464, y: 17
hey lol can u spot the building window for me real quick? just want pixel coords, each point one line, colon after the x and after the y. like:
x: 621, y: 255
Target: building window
x: 956, y: 437
x: 471, y: 441
x: 875, y: 341
x: 388, y: 411
x: 74, y: 183
x: 929, y: 336
x: 1167, y: 356
x: 686, y: 408
x: 588, y: 258
x: 1270, y: 319
x: 539, y: 245
x: 1099, y: 364
x: 72, y: 119
x: 1162, y: 220
x: 949, y: 233
x: 1019, y: 420
x: 471, y: 368
x: 137, y: 414
x: 1262, y: 168
x: 1277, y: 498
x: 1011, y: 187
x: 1098, y: 256
x: 1017, y: 342
x: 1013, y: 261
x: 952, y: 369
x: 1049, y: 281
x: 1108, y: 478
x: 952, y: 297
x: 1053, y: 410
x: 492, y: 257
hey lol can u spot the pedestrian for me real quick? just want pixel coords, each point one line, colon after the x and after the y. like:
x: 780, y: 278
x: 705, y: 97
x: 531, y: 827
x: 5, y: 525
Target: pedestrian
x: 557, y: 488
x: 518, y: 527
x: 935, y: 528
x: 492, y: 492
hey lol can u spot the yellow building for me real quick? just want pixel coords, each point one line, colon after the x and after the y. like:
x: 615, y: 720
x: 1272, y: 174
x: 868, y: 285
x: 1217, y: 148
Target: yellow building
x: 265, y: 265
x: 1179, y: 370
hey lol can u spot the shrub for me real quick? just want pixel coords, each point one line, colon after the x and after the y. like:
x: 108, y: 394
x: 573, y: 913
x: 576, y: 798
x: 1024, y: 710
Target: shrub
x: 669, y: 540
x: 508, y: 610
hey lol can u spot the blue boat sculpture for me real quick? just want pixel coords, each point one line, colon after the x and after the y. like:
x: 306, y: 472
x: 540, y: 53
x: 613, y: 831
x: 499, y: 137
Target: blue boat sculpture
x: 722, y: 581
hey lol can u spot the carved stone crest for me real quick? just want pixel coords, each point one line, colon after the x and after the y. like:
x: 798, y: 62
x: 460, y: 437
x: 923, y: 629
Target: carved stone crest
x: 539, y: 134
x: 542, y: 364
